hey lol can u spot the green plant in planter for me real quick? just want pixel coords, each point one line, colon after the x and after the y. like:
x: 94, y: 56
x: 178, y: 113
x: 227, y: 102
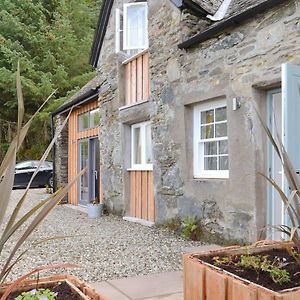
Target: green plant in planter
x: 189, y: 227
x: 258, y: 263
x: 40, y: 294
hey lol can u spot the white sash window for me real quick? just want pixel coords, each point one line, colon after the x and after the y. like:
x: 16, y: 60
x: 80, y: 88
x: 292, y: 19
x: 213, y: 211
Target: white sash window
x: 141, y: 146
x: 211, y: 141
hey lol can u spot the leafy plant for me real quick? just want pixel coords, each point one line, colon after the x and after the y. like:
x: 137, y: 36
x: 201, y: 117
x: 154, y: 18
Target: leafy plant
x: 41, y: 210
x: 189, y: 226
x: 258, y: 263
x: 291, y: 201
x: 40, y: 294
x: 219, y: 261
x: 261, y: 263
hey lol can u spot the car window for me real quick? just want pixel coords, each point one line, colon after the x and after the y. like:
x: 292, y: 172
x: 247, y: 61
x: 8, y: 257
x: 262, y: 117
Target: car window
x: 24, y: 165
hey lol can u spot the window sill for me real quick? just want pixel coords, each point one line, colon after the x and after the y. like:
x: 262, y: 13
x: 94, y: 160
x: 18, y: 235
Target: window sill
x: 133, y: 104
x: 142, y: 168
x: 210, y: 178
x: 135, y: 56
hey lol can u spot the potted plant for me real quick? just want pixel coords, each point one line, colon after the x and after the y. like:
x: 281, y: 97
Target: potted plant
x: 26, y: 223
x: 95, y: 209
x: 267, y: 270
x: 57, y: 287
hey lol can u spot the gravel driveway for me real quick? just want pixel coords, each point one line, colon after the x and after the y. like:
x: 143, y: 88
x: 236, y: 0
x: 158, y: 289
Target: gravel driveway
x: 106, y: 248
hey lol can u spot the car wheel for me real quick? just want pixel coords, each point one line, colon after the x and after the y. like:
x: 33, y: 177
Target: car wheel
x: 50, y: 182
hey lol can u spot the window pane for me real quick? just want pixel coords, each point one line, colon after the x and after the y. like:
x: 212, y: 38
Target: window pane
x: 137, y: 146
x: 207, y: 116
x: 84, y: 180
x: 223, y: 163
x: 95, y: 118
x: 210, y: 148
x: 207, y: 132
x: 83, y: 121
x: 136, y: 31
x: 210, y: 163
x: 24, y: 165
x: 223, y: 147
x: 221, y: 114
x: 148, y: 146
x: 221, y: 130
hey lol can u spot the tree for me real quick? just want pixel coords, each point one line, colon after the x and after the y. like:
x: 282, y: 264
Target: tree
x: 52, y: 41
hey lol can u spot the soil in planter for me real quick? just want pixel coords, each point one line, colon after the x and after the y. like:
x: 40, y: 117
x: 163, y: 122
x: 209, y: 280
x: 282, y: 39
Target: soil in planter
x: 63, y: 289
x: 279, y: 257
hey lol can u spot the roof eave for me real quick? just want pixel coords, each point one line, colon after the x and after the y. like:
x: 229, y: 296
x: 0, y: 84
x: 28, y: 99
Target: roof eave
x: 244, y: 16
x: 100, y: 31
x: 194, y: 8
x: 84, y: 98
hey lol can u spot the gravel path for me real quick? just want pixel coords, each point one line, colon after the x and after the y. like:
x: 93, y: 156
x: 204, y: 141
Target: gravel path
x: 106, y: 248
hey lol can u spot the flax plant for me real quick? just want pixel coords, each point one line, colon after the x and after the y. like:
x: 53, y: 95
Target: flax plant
x: 37, y: 213
x: 290, y: 200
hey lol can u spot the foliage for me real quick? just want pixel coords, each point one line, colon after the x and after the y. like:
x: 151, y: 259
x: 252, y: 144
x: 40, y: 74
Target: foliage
x: 258, y: 263
x: 52, y: 40
x: 291, y: 200
x: 16, y: 222
x: 40, y: 294
x: 189, y: 227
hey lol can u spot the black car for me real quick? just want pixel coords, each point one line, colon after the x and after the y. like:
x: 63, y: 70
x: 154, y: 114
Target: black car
x: 25, y: 169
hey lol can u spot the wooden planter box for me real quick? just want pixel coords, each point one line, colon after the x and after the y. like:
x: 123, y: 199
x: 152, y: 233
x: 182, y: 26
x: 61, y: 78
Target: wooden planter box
x: 84, y: 290
x: 203, y: 281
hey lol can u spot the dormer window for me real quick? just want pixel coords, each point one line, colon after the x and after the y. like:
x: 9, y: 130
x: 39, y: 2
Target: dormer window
x: 132, y: 28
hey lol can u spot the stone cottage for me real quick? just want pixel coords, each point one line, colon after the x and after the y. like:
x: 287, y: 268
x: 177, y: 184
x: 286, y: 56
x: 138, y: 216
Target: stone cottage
x: 169, y: 127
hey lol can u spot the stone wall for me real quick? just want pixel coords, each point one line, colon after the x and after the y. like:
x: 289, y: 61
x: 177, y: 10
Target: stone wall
x: 244, y: 62
x: 111, y: 160
x: 61, y: 153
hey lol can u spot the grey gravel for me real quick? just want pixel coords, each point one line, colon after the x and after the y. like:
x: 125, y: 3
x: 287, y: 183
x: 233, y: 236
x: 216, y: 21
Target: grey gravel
x: 105, y: 248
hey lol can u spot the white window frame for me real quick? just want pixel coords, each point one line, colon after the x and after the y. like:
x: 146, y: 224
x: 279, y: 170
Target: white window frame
x: 118, y: 31
x: 143, y: 166
x: 199, y: 171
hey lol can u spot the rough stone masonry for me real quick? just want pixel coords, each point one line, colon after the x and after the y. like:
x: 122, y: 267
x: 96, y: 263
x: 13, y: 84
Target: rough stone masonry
x: 243, y: 61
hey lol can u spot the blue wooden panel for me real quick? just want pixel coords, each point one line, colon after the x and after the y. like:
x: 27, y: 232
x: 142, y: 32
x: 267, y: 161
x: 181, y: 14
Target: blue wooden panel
x: 291, y: 112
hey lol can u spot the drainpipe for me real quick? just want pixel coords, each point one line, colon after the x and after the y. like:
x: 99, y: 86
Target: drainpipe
x: 53, y: 154
x: 221, y: 12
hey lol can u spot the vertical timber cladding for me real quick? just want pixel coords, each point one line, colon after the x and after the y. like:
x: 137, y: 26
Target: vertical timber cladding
x: 142, y: 204
x: 74, y: 137
x: 137, y: 79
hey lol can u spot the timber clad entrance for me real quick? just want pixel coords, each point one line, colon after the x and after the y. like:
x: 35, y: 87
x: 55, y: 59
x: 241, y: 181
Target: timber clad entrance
x: 83, y: 150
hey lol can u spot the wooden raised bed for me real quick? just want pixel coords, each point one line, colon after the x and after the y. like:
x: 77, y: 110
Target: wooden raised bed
x: 203, y: 281
x: 81, y: 288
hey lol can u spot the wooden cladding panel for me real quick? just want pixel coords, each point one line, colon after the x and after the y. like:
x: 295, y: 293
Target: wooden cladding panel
x: 133, y: 87
x: 74, y: 137
x: 146, y: 80
x: 137, y: 79
x: 142, y: 203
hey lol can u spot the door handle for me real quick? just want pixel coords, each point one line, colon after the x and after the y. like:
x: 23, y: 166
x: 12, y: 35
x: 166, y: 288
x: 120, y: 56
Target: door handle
x: 96, y: 174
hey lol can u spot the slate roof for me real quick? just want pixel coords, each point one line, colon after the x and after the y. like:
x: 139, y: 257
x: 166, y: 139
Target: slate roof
x: 87, y: 93
x: 236, y: 6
